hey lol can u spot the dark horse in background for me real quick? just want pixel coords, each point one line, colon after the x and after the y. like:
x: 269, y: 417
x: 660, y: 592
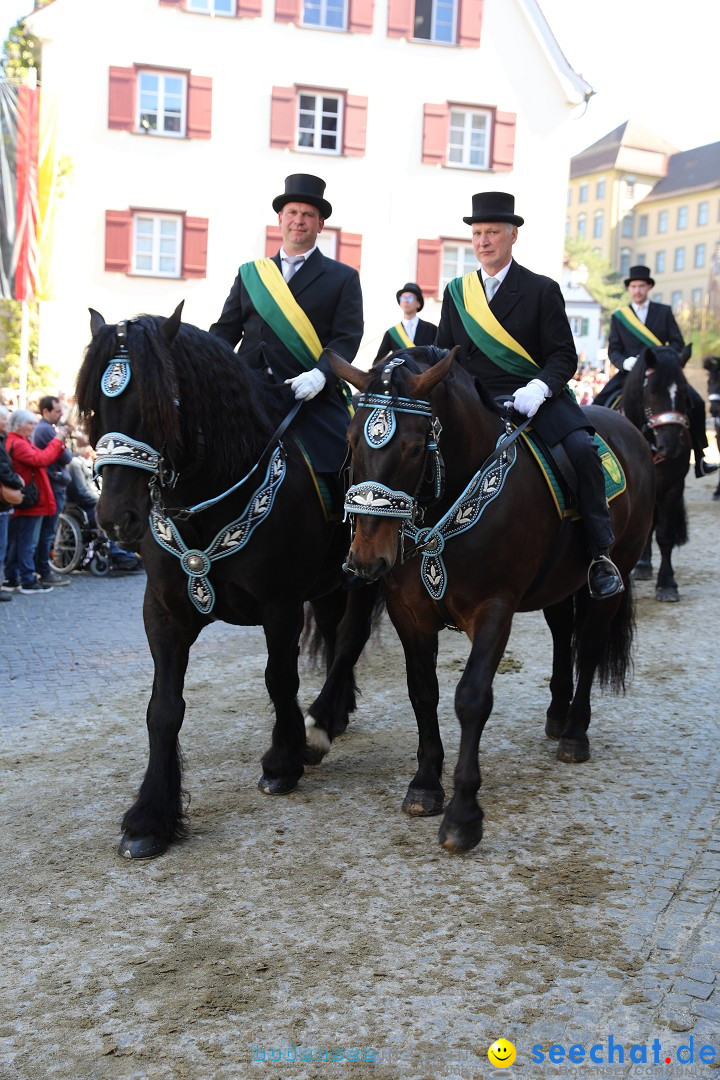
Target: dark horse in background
x: 655, y: 400
x: 516, y: 556
x: 712, y: 366
x: 239, y: 534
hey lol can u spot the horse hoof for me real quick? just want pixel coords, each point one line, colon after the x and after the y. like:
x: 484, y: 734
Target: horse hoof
x: 573, y: 751
x: 141, y: 847
x: 457, y: 840
x: 423, y: 802
x: 669, y: 595
x: 277, y: 785
x: 312, y: 756
x: 643, y: 572
x: 554, y: 727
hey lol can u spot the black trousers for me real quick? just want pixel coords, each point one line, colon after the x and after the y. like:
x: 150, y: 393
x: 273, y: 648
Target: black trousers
x: 592, y: 500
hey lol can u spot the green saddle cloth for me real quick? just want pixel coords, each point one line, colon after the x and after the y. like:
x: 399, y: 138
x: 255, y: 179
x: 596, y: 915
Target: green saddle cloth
x: 615, y: 482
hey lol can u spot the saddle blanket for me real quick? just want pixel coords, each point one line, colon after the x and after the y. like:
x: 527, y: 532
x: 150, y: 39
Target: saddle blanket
x: 615, y: 482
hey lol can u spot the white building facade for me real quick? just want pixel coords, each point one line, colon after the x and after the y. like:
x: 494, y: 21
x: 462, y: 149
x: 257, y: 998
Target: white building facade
x: 182, y: 119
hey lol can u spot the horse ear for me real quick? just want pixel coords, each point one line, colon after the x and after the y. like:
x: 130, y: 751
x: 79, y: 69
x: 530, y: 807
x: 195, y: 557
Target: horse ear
x: 357, y: 378
x: 96, y: 321
x: 421, y: 385
x: 171, y: 326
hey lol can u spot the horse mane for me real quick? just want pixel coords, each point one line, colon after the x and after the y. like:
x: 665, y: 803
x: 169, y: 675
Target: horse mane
x: 667, y: 370
x: 194, y: 387
x: 458, y: 382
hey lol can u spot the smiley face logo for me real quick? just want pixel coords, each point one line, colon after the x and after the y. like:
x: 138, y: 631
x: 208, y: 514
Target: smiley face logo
x: 501, y: 1054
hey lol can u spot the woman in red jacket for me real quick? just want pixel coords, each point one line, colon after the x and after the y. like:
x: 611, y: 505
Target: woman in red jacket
x: 29, y: 462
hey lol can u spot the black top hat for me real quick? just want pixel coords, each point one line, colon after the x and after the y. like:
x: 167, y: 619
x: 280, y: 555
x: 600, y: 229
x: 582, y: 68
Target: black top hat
x: 639, y: 273
x: 493, y: 206
x: 304, y: 188
x: 410, y: 286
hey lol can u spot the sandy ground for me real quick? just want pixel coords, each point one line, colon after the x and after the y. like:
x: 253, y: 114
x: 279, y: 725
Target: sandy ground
x: 330, y: 923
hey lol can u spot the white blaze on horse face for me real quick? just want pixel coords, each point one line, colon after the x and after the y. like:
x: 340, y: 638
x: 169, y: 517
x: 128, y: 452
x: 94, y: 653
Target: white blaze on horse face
x: 672, y: 390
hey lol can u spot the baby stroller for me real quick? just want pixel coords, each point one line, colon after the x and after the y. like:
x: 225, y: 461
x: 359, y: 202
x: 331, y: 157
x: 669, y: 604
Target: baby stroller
x: 80, y: 545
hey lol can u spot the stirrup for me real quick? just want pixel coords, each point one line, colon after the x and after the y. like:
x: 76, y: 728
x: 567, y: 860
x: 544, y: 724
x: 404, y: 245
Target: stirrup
x: 619, y: 588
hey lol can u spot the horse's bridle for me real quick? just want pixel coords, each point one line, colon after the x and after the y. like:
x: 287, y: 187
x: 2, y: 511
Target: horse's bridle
x: 671, y: 417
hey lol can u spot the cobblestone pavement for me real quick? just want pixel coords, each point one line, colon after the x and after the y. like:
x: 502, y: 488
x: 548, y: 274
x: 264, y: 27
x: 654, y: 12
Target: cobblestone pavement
x: 589, y: 915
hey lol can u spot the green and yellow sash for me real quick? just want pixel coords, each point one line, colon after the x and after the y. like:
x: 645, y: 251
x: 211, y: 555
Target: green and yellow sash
x: 484, y: 329
x: 399, y: 336
x: 274, y: 303
x: 630, y: 321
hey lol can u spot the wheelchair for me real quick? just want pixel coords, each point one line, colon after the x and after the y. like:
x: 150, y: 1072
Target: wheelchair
x: 78, y: 545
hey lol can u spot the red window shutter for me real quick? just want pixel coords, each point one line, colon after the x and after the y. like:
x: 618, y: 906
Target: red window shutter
x: 349, y: 249
x: 118, y: 240
x: 355, y: 125
x: 503, y: 144
x: 282, y: 116
x: 470, y: 22
x: 199, y: 122
x: 249, y: 9
x: 287, y: 11
x: 121, y: 99
x: 429, y: 265
x: 273, y: 240
x: 195, y: 244
x: 436, y: 132
x: 401, y: 18
x: 360, y: 16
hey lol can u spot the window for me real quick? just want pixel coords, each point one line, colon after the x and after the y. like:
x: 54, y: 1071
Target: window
x: 703, y: 213
x: 598, y: 221
x: 643, y: 225
x: 567, y: 226
x: 569, y: 198
x: 582, y: 226
x: 682, y: 217
x: 699, y: 260
x: 580, y: 327
x: 212, y: 7
x: 659, y: 262
x: 319, y: 123
x: 663, y: 221
x: 457, y: 259
x: 469, y: 142
x: 328, y: 14
x: 624, y: 261
x: 676, y: 302
x: 696, y: 298
x: 583, y: 193
x: 630, y: 189
x: 156, y: 245
x: 627, y: 225
x: 641, y: 260
x: 600, y: 189
x: 435, y: 21
x: 161, y: 103
x: 679, y: 260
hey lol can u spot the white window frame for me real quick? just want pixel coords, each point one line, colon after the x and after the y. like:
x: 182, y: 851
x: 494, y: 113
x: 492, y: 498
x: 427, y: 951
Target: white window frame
x: 676, y: 301
x: 466, y: 131
x: 682, y: 217
x: 659, y: 262
x: 327, y: 241
x: 434, y: 5
x: 209, y: 7
x: 679, y: 258
x: 696, y: 298
x: 700, y: 256
x: 320, y: 97
x: 458, y: 259
x: 583, y: 193
x: 703, y: 212
x: 625, y: 260
x: 662, y: 221
x: 581, y: 227
x: 598, y: 224
x: 322, y: 6
x: 160, y: 112
x: 600, y: 189
x: 642, y: 225
x: 155, y: 253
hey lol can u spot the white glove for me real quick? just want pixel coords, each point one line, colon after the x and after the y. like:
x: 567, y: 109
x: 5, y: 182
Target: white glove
x: 629, y: 363
x: 307, y: 385
x: 528, y: 399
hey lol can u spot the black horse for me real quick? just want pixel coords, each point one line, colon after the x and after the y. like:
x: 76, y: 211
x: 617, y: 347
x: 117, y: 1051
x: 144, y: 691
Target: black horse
x: 712, y: 366
x: 655, y: 400
x: 237, y: 532
x: 491, y: 543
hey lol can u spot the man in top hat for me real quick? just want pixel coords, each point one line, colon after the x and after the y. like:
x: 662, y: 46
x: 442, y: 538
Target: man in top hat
x: 411, y: 330
x: 286, y: 311
x: 641, y: 324
x: 504, y: 298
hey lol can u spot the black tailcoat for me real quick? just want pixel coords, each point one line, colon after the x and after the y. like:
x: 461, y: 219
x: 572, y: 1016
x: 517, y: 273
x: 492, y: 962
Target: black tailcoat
x: 532, y: 310
x: 329, y: 293
x: 660, y: 321
x: 424, y: 335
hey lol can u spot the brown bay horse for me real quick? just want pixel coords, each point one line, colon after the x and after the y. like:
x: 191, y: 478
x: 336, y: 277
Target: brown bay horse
x: 491, y: 544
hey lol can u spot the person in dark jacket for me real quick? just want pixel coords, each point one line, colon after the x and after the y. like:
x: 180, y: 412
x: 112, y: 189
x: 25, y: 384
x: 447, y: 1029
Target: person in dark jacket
x: 11, y: 479
x: 59, y: 477
x: 411, y: 330
x: 514, y: 337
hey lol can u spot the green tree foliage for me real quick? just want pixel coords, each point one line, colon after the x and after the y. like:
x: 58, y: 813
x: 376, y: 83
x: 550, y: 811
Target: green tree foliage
x: 21, y: 51
x: 40, y: 377
x: 603, y: 283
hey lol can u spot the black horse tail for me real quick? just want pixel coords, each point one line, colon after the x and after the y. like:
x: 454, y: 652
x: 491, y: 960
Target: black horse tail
x: 313, y: 643
x: 616, y: 661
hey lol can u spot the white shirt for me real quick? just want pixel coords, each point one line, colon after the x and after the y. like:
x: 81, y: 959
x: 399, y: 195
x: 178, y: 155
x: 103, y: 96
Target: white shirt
x: 641, y: 310
x: 284, y: 257
x: 499, y: 277
x: 410, y: 326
